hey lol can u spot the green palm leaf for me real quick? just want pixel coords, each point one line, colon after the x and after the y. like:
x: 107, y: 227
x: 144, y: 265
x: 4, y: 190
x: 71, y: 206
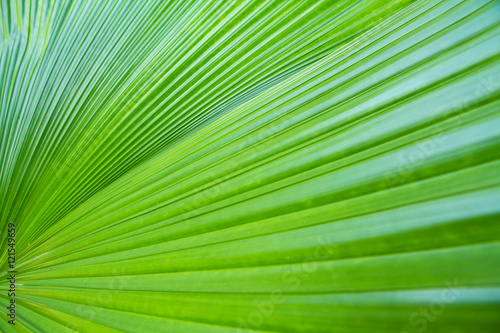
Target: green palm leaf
x: 251, y: 166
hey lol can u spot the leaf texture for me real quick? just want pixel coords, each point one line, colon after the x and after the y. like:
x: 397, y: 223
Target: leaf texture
x: 251, y: 166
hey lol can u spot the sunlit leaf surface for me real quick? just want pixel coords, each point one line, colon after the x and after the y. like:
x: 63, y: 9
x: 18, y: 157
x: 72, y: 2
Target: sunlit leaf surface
x: 251, y: 166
